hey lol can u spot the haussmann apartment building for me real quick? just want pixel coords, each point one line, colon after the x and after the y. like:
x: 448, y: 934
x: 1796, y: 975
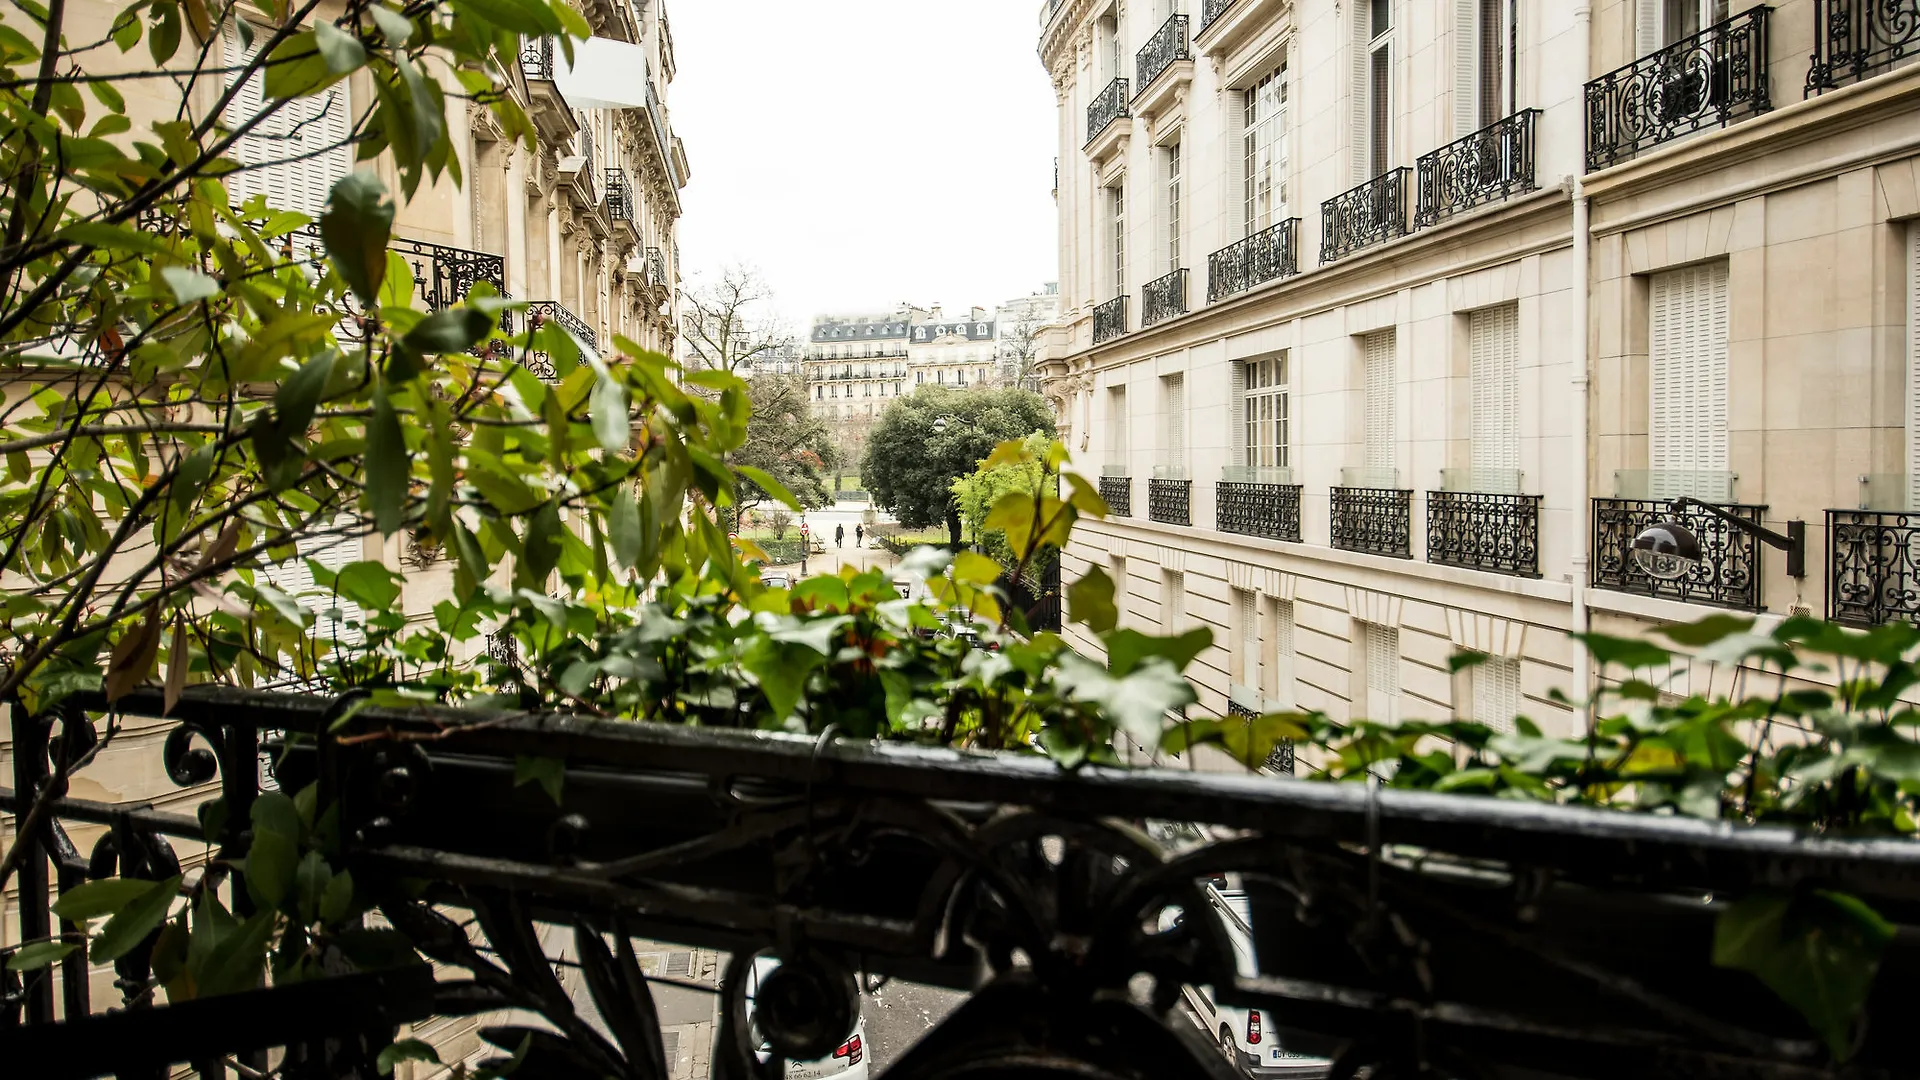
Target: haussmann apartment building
x: 1388, y: 324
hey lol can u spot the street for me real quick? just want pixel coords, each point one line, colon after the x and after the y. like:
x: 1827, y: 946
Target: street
x: 899, y: 1014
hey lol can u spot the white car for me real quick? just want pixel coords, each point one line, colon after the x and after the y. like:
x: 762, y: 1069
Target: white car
x: 1243, y: 1036
x: 848, y: 1062
x: 777, y: 579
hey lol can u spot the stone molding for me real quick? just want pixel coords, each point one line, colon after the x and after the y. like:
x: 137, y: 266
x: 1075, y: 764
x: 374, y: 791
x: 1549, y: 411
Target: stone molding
x: 1378, y: 608
x: 1490, y: 634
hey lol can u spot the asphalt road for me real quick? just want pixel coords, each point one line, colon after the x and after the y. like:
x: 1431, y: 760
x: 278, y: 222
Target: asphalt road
x: 899, y: 1014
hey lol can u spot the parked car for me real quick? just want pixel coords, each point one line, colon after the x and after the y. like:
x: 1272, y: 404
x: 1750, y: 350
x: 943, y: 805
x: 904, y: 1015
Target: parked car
x: 847, y: 1062
x: 777, y: 579
x: 1243, y: 1034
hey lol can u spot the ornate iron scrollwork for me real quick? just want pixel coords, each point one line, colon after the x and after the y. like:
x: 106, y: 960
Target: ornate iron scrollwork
x: 1118, y: 492
x: 1268, y: 510
x: 1163, y: 298
x: 1378, y: 521
x: 1361, y: 217
x: 1491, y: 164
x: 1106, y: 107
x: 1211, y: 10
x: 1484, y: 531
x: 1857, y: 39
x: 1166, y: 47
x: 1728, y: 574
x: 1873, y: 567
x: 1169, y: 501
x: 1110, y: 320
x: 1267, y: 255
x: 1708, y: 79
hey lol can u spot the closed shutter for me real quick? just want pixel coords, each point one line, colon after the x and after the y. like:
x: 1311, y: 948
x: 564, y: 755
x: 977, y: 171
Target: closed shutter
x: 1380, y: 100
x: 313, y: 130
x: 1494, y: 375
x: 1913, y: 366
x: 1239, y: 397
x: 1176, y: 397
x: 1362, y: 156
x: 336, y: 618
x: 1646, y: 26
x: 1282, y: 681
x: 1466, y: 67
x: 1173, y: 601
x: 1496, y: 693
x: 1688, y: 396
x: 1379, y: 404
x: 1247, y: 628
x: 1116, y: 425
x: 1383, y: 673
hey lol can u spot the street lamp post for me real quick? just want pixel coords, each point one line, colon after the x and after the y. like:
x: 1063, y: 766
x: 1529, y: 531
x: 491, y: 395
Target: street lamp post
x: 940, y: 425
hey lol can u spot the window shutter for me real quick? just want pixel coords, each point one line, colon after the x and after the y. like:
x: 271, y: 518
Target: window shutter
x: 1466, y: 67
x: 1646, y: 27
x: 1362, y: 150
x: 1688, y: 365
x: 1913, y: 366
x: 295, y: 578
x: 1238, y: 371
x: 1494, y: 335
x: 1379, y: 401
x: 1282, y: 683
x: 297, y: 129
x: 1176, y: 404
x: 1248, y: 657
x: 1496, y: 693
x: 1383, y: 673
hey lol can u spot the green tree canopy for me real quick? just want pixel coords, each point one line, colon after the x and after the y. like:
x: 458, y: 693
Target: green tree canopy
x: 910, y: 466
x: 787, y: 442
x: 980, y: 490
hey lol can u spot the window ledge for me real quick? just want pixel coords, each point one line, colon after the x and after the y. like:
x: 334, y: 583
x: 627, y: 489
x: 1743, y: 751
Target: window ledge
x: 1167, y: 93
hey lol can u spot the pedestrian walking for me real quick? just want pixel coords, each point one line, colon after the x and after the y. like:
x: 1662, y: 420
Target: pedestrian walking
x: 839, y: 536
x: 859, y: 536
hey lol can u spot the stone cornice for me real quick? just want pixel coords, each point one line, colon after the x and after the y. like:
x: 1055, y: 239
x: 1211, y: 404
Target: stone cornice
x: 1056, y: 41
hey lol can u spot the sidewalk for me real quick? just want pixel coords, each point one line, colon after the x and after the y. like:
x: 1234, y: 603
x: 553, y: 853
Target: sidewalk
x: 861, y: 558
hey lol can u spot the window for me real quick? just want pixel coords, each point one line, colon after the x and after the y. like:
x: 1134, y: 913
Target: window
x: 1380, y: 656
x: 1264, y: 413
x: 1688, y: 399
x: 1494, y: 378
x: 1263, y: 153
x: 1372, y: 89
x: 1913, y: 366
x: 1173, y: 601
x: 293, y: 156
x: 1117, y: 236
x: 1496, y: 692
x: 1246, y: 638
x: 1173, y: 208
x: 1659, y: 23
x: 1481, y: 42
x: 1379, y: 403
x: 337, y: 619
x: 1173, y: 404
x: 1116, y: 425
x: 1281, y: 684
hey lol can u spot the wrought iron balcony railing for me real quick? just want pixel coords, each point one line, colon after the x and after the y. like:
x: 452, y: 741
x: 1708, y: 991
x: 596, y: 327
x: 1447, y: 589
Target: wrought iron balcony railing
x: 1728, y: 574
x: 1489, y: 165
x: 1873, y: 567
x: 1378, y: 521
x: 657, y: 268
x: 1252, y: 509
x: 1484, y: 531
x: 1858, y: 39
x: 1110, y: 319
x: 1170, y: 502
x: 1118, y: 491
x: 536, y: 58
x: 442, y: 275
x: 1372, y: 213
x: 1211, y: 10
x: 540, y: 312
x: 619, y: 195
x: 1166, y: 47
x: 1708, y: 79
x: 1108, y: 106
x: 1268, y: 255
x: 1163, y: 298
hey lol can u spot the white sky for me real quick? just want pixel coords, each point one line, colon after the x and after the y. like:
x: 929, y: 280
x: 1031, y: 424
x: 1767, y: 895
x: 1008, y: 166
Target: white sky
x: 861, y: 153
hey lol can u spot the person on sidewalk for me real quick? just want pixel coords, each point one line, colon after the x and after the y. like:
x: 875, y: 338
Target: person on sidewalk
x: 839, y: 536
x: 859, y: 535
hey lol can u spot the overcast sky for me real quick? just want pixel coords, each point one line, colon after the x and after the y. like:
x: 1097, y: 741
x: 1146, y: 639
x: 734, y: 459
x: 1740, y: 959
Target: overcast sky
x: 861, y: 153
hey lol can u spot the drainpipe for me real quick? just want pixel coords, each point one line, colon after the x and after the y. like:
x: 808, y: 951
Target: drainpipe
x: 1582, y: 303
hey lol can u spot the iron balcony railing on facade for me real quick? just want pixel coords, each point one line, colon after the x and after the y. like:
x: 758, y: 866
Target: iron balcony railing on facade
x: 442, y: 275
x: 1375, y: 520
x: 1268, y: 255
x: 657, y: 268
x: 1108, y: 106
x: 1708, y: 79
x: 1166, y: 47
x: 1489, y: 165
x: 1280, y: 758
x: 1728, y: 574
x: 1369, y: 214
x: 1857, y: 39
x: 1170, y: 500
x: 619, y: 195
x: 1163, y: 298
x: 536, y: 58
x: 1873, y: 567
x: 1110, y: 319
x: 1251, y: 504
x: 1479, y: 530
x: 541, y: 312
x: 1211, y: 10
x: 1118, y: 492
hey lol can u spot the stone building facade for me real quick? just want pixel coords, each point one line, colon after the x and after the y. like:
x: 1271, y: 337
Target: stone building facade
x: 1387, y: 324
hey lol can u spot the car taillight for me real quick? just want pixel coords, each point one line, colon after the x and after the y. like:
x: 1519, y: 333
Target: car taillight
x: 849, y: 1050
x: 1253, y: 1027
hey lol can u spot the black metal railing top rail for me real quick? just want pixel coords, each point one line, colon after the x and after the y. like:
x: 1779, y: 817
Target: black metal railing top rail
x: 1251, y: 509
x: 1857, y: 39
x: 1378, y: 521
x: 934, y: 866
x: 1481, y: 531
x: 1170, y: 502
x: 1708, y: 79
x: 619, y: 195
x: 1106, y: 107
x: 1163, y: 298
x: 1489, y: 165
x: 1369, y: 214
x: 1873, y: 567
x: 1211, y: 10
x: 1118, y: 492
x: 1268, y: 255
x: 1166, y: 47
x: 1110, y: 319
x: 1728, y: 574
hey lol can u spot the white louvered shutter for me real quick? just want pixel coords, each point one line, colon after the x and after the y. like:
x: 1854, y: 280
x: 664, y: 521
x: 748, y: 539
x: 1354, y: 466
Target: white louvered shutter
x: 1379, y: 402
x: 1247, y: 625
x: 1282, y: 681
x: 296, y: 130
x: 1362, y: 77
x: 1466, y: 67
x: 1238, y: 371
x: 1383, y: 673
x: 1173, y: 601
x: 1494, y: 375
x: 1688, y: 365
x: 1116, y: 425
x: 295, y: 578
x: 1913, y: 366
x: 1646, y: 26
x: 1176, y: 399
x: 1496, y: 693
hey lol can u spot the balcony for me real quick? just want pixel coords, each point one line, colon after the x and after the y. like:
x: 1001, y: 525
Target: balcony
x: 1481, y: 530
x: 1728, y: 574
x: 442, y: 275
x: 1709, y: 79
x: 1210, y: 12
x: 541, y: 312
x: 1165, y: 54
x: 1163, y: 298
x: 1105, y: 109
x: 1873, y: 567
x: 1372, y: 213
x: 1118, y: 492
x: 1375, y: 519
x: 1110, y: 320
x: 1170, y: 501
x: 1258, y: 502
x: 619, y: 196
x: 1858, y: 39
x: 536, y: 59
x: 1225, y: 25
x: 1268, y: 255
x: 1490, y: 165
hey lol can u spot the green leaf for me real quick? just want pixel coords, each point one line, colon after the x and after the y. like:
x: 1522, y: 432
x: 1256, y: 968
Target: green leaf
x: 405, y: 1049
x: 1819, y: 951
x: 449, y: 331
x: 296, y: 68
x: 397, y: 27
x: 388, y: 466
x: 142, y: 916
x: 623, y: 526
x: 765, y: 482
x: 356, y: 227
x: 549, y: 773
x: 189, y: 285
x: 1627, y: 652
x: 1248, y: 740
x: 337, y: 900
x: 1694, y: 635
x: 342, y: 51
x: 311, y: 879
x: 96, y: 898
x: 40, y: 954
x: 520, y: 16
x: 1090, y: 601
x: 543, y: 543
x: 612, y: 414
x: 297, y: 398
x: 973, y: 568
x: 236, y: 957
x: 213, y: 818
x: 275, y: 851
x: 1127, y: 649
x: 1138, y: 704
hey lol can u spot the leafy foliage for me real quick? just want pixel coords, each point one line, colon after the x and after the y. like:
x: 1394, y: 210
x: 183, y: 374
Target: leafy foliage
x: 787, y: 442
x: 979, y: 491
x: 910, y: 468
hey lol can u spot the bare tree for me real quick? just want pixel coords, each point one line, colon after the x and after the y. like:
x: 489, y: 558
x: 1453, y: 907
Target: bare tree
x: 1020, y: 350
x: 730, y: 325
